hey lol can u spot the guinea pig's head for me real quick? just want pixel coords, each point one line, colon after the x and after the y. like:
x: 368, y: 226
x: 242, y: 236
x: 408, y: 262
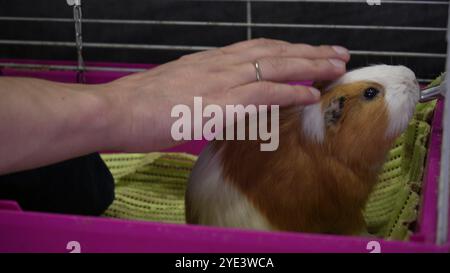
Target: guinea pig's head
x: 360, y: 114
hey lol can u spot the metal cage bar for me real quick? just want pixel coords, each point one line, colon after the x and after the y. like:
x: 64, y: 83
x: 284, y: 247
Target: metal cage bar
x: 444, y: 178
x: 248, y: 24
x: 199, y: 48
x: 249, y: 20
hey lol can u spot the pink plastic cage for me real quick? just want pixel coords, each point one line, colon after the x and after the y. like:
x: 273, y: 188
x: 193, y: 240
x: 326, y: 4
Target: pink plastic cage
x: 23, y: 231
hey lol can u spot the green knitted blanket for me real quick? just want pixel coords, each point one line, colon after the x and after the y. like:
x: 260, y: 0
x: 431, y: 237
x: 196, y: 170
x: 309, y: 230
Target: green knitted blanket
x: 151, y: 186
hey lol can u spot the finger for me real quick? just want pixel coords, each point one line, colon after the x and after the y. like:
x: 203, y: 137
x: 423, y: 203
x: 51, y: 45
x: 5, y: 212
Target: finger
x: 233, y: 48
x: 269, y: 93
x: 294, y: 50
x: 288, y: 69
x: 242, y: 46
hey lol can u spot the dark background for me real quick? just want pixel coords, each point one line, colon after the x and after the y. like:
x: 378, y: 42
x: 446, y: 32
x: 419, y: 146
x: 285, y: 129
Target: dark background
x: 419, y: 15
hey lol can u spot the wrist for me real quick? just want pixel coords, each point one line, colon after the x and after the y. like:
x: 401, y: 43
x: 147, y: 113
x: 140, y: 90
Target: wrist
x: 101, y: 117
x: 111, y: 117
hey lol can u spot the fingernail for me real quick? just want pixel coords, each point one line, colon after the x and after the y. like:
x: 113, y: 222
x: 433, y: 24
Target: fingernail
x: 340, y: 50
x: 315, y: 92
x: 337, y: 63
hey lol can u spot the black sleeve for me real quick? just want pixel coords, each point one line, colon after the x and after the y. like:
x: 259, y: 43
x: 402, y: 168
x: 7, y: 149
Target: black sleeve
x: 82, y: 185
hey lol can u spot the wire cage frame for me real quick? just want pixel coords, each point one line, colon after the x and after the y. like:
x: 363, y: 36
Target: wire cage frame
x: 250, y: 25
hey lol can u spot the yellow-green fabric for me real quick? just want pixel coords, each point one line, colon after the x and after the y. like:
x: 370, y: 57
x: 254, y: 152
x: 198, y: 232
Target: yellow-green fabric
x: 151, y: 186
x: 393, y: 206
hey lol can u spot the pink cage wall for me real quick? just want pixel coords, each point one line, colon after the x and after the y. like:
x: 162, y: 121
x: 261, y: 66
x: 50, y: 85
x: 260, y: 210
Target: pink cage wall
x: 23, y: 231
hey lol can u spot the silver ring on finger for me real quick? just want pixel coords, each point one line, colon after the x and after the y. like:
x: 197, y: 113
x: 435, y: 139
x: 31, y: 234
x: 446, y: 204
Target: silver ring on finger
x: 258, y: 71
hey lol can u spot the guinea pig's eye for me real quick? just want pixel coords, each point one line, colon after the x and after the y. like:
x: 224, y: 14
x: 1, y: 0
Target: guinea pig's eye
x: 370, y: 93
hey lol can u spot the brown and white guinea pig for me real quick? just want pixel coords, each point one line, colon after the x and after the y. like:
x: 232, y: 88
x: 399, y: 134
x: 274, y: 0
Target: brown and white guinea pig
x: 327, y: 162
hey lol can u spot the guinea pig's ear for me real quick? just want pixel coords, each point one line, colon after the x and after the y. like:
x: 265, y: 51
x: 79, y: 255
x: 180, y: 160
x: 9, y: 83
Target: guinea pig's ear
x: 333, y: 111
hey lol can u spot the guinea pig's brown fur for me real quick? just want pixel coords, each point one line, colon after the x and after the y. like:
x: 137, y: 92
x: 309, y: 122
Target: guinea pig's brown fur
x: 326, y: 164
x: 316, y: 185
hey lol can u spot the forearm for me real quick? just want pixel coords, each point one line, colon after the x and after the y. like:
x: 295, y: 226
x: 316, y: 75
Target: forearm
x: 45, y: 122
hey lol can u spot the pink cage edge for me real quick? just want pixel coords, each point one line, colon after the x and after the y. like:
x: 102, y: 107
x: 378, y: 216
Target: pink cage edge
x: 24, y: 231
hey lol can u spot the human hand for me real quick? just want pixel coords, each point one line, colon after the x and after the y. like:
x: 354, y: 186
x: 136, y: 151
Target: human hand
x: 141, y: 103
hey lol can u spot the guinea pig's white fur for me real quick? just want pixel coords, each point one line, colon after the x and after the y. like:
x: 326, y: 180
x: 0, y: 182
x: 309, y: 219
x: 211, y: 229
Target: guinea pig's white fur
x: 402, y: 91
x: 213, y: 199
x: 206, y: 208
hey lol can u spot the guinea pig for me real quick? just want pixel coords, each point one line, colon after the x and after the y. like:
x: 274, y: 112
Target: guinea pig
x: 328, y: 160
